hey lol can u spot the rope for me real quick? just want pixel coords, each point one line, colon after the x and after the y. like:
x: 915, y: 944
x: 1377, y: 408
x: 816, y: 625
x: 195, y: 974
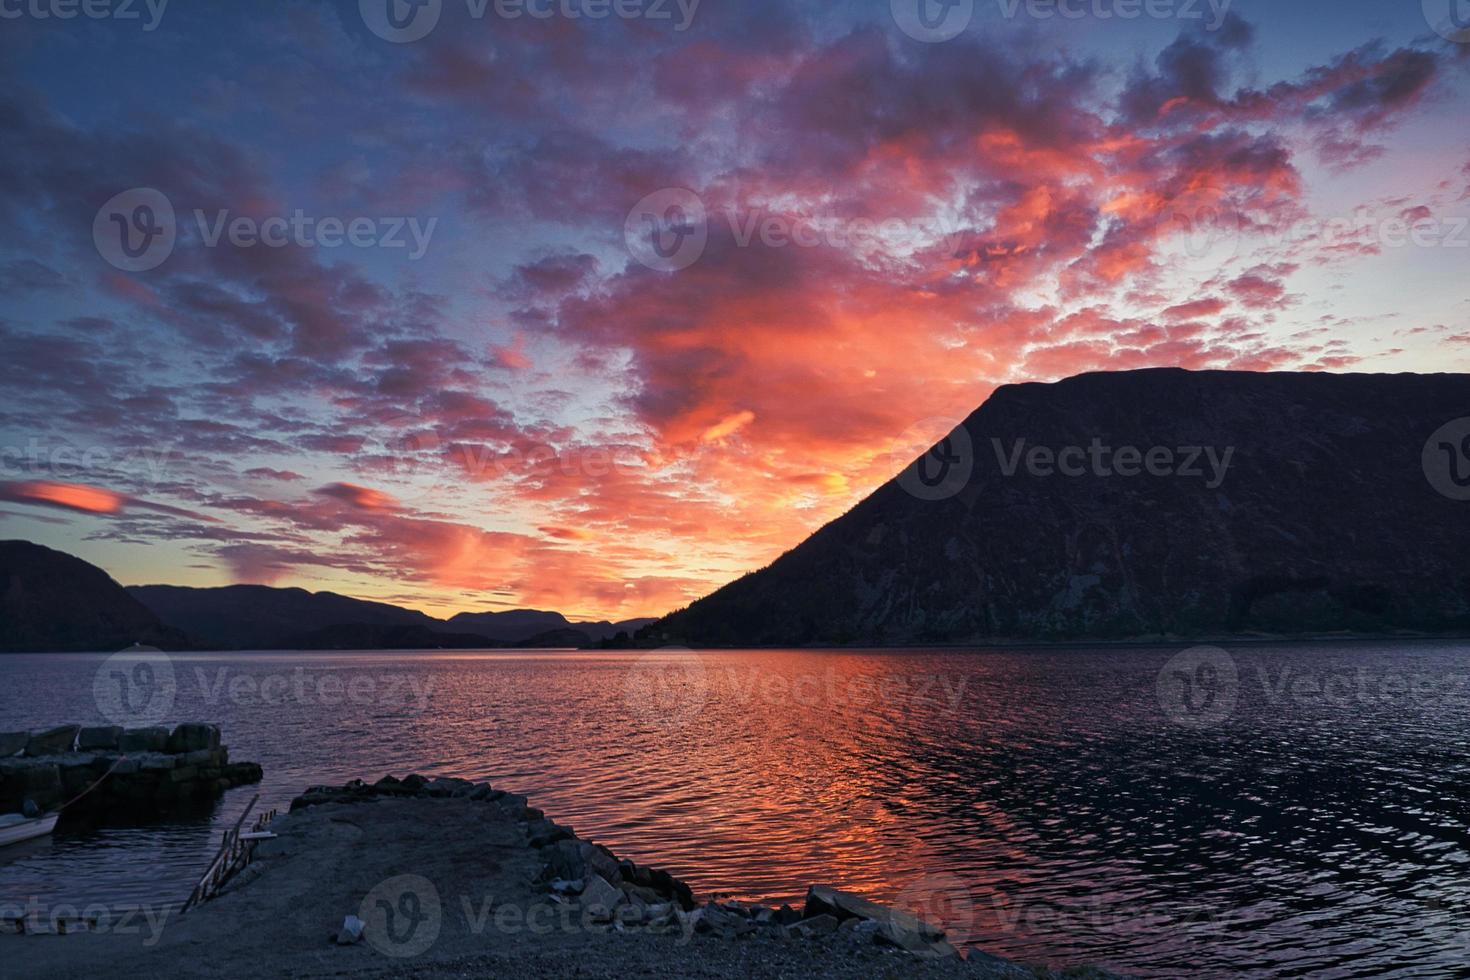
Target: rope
x: 95, y: 783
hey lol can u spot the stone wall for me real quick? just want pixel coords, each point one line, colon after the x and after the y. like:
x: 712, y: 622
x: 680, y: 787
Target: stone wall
x: 153, y: 770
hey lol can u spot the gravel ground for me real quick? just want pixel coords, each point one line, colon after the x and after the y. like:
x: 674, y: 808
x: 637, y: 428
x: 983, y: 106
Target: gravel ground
x: 454, y: 885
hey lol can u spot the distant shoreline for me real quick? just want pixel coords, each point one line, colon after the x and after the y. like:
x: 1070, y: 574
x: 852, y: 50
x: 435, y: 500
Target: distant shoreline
x: 974, y: 647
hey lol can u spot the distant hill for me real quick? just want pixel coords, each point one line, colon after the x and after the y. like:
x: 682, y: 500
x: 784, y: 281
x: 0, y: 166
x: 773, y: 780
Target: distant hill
x: 260, y: 617
x: 244, y: 617
x: 1323, y: 518
x: 51, y: 601
x: 519, y: 624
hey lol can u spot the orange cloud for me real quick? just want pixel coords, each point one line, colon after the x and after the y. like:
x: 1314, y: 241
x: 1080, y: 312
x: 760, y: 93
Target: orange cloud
x: 69, y: 496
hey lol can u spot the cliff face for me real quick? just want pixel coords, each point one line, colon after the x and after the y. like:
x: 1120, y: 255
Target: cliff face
x: 1138, y: 504
x: 51, y: 601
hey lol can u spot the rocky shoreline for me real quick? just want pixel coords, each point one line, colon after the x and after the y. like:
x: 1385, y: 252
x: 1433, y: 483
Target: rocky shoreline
x: 139, y: 771
x: 439, y: 877
x: 628, y: 896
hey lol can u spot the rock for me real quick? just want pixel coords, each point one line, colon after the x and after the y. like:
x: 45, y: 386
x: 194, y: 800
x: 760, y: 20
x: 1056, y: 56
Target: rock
x: 102, y: 738
x: 817, y: 925
x: 193, y: 736
x: 666, y: 884
x: 824, y: 900
x: 447, y: 786
x: 515, y: 804
x: 601, y: 861
x: 786, y: 916
x: 483, y: 792
x: 53, y: 741
x: 240, y: 773
x: 13, y: 743
x: 564, y: 860
x: 645, y: 895
x: 600, y: 899
x: 541, y: 833
x: 888, y: 934
x: 351, y: 931
x: 561, y: 886
x: 144, y: 739
x: 414, y: 782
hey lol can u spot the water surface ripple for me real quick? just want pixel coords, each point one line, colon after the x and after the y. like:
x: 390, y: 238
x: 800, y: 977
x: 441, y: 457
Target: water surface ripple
x: 1046, y: 804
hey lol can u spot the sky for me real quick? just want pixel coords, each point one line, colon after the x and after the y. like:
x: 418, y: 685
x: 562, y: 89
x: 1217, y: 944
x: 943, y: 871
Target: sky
x: 596, y: 305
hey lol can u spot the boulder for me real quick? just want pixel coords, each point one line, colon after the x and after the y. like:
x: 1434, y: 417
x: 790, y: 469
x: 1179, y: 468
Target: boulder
x: 541, y: 833
x: 666, y: 884
x: 53, y: 741
x: 564, y: 860
x: 601, y: 861
x: 824, y: 900
x: 351, y: 931
x: 144, y: 739
x: 240, y: 773
x: 600, y: 899
x: 23, y: 779
x: 888, y: 934
x: 192, y: 737
x: 103, y: 738
x: 13, y: 743
x: 817, y: 925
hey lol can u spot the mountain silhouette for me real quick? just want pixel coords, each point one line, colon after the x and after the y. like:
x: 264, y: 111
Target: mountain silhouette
x: 1150, y: 504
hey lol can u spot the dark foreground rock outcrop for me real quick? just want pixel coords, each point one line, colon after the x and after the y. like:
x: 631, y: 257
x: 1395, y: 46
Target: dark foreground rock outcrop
x: 438, y: 878
x: 1155, y: 504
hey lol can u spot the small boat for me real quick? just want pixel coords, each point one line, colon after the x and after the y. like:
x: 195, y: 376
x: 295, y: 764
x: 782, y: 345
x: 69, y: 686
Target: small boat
x: 15, y: 827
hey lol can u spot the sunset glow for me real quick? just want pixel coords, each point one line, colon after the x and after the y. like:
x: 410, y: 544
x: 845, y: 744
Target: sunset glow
x: 509, y: 409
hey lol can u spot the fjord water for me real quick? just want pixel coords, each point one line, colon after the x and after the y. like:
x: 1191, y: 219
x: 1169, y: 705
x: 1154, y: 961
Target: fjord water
x: 1309, y: 815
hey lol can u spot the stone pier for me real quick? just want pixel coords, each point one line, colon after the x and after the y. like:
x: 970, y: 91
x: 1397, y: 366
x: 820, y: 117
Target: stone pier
x: 154, y: 771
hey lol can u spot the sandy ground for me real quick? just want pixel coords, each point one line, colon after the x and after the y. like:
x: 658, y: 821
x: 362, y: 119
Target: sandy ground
x: 448, y: 888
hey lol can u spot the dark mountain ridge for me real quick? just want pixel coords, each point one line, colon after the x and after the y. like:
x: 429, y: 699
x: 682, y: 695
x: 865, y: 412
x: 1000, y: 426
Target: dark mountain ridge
x: 260, y: 617
x: 51, y: 601
x: 1252, y: 503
